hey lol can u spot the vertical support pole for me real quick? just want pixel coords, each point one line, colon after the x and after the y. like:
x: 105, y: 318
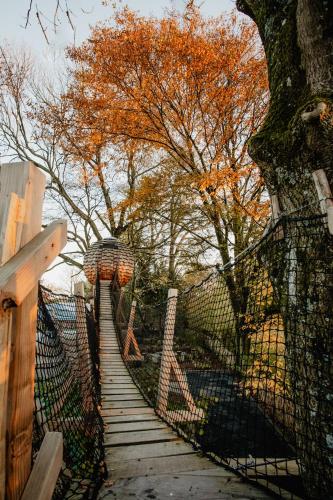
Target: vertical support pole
x: 130, y: 337
x: 169, y: 330
x: 18, y: 327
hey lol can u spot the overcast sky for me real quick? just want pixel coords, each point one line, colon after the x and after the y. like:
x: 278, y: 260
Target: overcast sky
x: 84, y: 14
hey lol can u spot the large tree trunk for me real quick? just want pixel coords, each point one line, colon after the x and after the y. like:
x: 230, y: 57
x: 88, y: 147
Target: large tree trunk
x: 296, y: 140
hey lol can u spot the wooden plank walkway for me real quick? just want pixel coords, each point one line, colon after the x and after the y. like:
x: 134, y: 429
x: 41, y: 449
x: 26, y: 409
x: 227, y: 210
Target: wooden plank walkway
x: 145, y: 459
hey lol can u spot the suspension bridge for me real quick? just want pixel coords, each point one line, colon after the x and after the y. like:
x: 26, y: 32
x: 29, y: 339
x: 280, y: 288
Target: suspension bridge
x: 193, y: 397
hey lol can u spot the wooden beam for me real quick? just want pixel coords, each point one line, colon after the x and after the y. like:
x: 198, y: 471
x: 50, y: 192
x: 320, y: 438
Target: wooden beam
x: 21, y: 197
x: 45, y: 472
x: 130, y: 338
x: 169, y: 329
x: 21, y: 273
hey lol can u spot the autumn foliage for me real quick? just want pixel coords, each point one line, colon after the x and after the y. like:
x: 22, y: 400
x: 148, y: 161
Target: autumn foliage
x: 194, y: 89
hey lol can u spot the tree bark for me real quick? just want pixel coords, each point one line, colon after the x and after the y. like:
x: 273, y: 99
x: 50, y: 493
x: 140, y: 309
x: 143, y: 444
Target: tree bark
x: 295, y: 140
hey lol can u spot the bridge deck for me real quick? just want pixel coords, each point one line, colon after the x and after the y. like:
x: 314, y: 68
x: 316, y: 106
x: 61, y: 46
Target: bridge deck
x: 145, y: 459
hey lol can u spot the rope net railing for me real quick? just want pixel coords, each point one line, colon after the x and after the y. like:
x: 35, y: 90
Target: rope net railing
x: 67, y: 391
x: 234, y: 372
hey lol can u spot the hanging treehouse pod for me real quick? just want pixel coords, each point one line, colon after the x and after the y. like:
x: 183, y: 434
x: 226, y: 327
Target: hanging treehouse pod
x: 108, y: 257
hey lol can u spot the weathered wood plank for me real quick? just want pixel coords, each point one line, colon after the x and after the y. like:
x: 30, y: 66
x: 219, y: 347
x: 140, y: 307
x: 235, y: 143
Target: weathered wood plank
x: 117, y: 386
x: 21, y: 273
x: 176, y: 486
x: 117, y: 379
x: 151, y: 450
x: 138, y: 403
x: 139, y: 417
x: 149, y: 436
x: 123, y: 397
x: 147, y: 425
x: 110, y: 412
x: 121, y: 391
x: 44, y: 475
x: 163, y: 465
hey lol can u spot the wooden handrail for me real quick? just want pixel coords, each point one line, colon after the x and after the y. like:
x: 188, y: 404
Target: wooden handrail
x: 45, y: 472
x: 20, y: 274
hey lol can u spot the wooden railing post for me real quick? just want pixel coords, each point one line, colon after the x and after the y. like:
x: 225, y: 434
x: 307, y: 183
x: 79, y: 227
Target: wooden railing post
x: 21, y: 198
x: 24, y: 255
x: 169, y: 330
x: 169, y: 363
x: 130, y: 338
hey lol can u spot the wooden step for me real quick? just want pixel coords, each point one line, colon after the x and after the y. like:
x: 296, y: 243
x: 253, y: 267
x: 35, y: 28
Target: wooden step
x: 134, y: 438
x: 111, y: 412
x: 146, y: 425
x: 134, y: 452
x: 137, y: 403
x: 165, y: 465
x: 138, y: 417
x: 136, y: 396
x: 120, y: 391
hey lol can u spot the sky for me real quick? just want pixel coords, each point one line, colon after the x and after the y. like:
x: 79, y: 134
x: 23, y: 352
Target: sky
x: 84, y: 13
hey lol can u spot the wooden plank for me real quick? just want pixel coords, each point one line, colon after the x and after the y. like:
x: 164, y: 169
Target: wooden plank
x: 21, y: 273
x: 138, y: 403
x: 162, y: 465
x: 213, y: 471
x: 148, y: 425
x: 136, y: 396
x: 106, y: 386
x: 120, y: 391
x: 181, y: 487
x: 139, y: 417
x: 44, y: 475
x: 112, y: 370
x: 169, y: 448
x: 131, y: 438
x: 110, y: 412
x: 117, y: 380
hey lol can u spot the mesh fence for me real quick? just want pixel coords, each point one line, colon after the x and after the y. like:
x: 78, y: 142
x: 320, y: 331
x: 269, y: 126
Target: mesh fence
x: 238, y: 372
x: 67, y: 391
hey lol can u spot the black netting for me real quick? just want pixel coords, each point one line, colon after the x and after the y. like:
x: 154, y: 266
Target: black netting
x: 67, y: 391
x: 240, y: 376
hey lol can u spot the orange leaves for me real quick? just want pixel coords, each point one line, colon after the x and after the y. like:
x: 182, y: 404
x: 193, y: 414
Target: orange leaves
x: 169, y: 80
x: 215, y: 180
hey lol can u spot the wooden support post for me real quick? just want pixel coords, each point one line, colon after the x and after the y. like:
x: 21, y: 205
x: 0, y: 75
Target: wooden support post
x: 169, y: 363
x: 130, y: 338
x: 45, y: 472
x: 21, y: 197
x: 325, y: 196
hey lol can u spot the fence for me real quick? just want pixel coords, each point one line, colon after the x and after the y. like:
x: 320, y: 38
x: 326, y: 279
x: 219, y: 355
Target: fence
x: 67, y: 393
x: 228, y: 362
